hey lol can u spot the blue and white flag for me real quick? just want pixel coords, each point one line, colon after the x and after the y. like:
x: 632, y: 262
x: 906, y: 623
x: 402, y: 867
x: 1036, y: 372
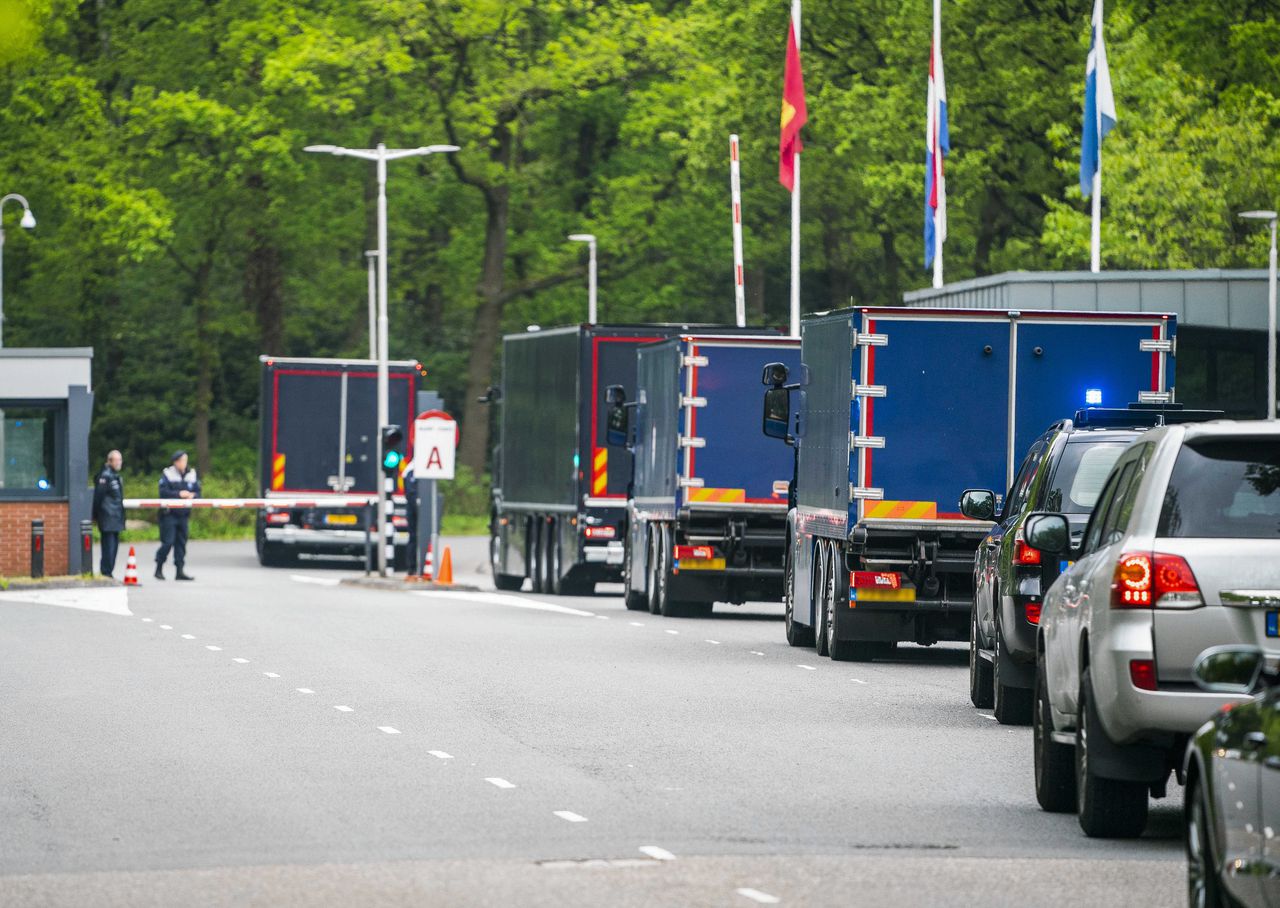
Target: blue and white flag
x: 937, y: 146
x: 1099, y: 104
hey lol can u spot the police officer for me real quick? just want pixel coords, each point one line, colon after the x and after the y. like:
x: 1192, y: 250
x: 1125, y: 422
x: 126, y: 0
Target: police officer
x: 176, y: 482
x: 108, y: 510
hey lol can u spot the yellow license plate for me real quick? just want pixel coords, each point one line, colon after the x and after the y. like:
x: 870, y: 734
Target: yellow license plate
x: 702, y: 564
x: 904, y: 594
x: 346, y: 520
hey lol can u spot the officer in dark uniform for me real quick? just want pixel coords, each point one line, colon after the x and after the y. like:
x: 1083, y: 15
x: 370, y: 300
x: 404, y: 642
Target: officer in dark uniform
x: 108, y: 510
x: 176, y: 482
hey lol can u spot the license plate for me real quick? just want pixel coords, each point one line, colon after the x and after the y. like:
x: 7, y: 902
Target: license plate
x: 871, y: 594
x: 1273, y: 623
x: 701, y: 564
x: 344, y: 520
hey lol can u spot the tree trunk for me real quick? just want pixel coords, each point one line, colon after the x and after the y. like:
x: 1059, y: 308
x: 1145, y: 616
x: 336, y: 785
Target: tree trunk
x: 263, y: 282
x: 205, y: 354
x: 839, y: 280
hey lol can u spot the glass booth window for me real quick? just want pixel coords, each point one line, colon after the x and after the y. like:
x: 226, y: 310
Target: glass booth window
x: 28, y: 450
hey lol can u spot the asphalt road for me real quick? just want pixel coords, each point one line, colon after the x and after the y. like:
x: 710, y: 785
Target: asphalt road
x: 268, y: 737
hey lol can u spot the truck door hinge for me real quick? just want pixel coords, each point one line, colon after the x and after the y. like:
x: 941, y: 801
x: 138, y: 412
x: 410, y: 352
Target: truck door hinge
x: 687, y: 441
x: 692, y: 401
x: 857, y: 390
x: 1164, y: 345
x: 866, y: 441
x: 860, y: 493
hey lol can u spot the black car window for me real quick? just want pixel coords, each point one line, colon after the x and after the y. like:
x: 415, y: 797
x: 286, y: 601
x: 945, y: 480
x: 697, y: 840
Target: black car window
x: 1118, y: 522
x: 1111, y: 524
x: 1110, y: 490
x: 1225, y: 488
x: 1081, y: 471
x: 1022, y: 482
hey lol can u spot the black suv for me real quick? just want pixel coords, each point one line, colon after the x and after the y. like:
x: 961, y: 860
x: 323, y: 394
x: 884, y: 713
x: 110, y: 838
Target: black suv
x: 1063, y: 472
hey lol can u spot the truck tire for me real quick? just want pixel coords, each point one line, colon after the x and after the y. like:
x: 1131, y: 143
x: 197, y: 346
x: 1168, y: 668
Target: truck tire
x: 797, y: 634
x: 507, y: 583
x: 273, y: 554
x: 1107, y: 808
x: 659, y: 604
x: 635, y: 601
x: 1055, y: 772
x: 980, y: 691
x: 652, y: 541
x: 818, y: 596
x: 837, y: 605
x: 537, y: 572
x: 1012, y: 705
x: 555, y: 583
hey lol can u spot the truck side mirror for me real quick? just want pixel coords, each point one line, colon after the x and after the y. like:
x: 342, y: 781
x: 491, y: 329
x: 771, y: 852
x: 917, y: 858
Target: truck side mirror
x: 775, y: 375
x: 978, y: 504
x: 777, y: 412
x: 1049, y: 533
x: 617, y: 419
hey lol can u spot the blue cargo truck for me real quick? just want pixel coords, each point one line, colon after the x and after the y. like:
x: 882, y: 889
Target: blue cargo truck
x: 707, y: 507
x: 893, y: 414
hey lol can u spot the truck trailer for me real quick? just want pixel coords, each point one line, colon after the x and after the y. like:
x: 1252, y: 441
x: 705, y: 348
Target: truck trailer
x: 894, y: 414
x: 318, y: 435
x: 706, y: 519
x: 559, y: 496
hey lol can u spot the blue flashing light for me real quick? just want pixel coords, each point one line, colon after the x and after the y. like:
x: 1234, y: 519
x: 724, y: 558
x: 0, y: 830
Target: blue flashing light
x: 1093, y: 397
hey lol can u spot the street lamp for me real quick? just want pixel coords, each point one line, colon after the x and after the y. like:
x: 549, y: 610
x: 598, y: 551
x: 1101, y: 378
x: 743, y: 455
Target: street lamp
x: 381, y: 155
x: 590, y: 240
x: 371, y: 256
x: 28, y: 222
x: 1270, y: 217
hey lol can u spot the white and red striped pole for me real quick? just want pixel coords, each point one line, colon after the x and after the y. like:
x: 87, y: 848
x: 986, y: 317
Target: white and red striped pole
x: 735, y: 192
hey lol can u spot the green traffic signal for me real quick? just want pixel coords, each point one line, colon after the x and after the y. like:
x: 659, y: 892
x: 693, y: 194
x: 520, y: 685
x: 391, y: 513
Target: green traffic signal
x: 391, y: 459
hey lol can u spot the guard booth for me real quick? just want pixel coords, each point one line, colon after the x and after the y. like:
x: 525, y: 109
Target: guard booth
x: 1222, y: 321
x: 46, y: 407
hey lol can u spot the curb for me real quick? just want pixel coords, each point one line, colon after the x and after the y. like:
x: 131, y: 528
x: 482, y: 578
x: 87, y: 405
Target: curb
x: 396, y: 583
x: 57, y: 583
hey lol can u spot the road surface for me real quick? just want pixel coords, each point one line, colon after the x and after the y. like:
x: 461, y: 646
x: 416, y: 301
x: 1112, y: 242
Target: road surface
x: 270, y: 737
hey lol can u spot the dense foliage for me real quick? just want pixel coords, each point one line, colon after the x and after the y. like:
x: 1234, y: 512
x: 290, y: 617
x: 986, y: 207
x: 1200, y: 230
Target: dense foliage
x: 183, y: 232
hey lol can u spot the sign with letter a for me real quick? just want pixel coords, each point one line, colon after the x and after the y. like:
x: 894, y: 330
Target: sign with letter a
x: 435, y: 440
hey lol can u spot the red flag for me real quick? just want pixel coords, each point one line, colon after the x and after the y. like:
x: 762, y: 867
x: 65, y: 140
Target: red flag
x: 794, y: 113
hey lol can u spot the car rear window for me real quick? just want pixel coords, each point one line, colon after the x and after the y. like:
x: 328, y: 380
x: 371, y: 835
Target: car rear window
x: 1080, y: 475
x: 1224, y: 488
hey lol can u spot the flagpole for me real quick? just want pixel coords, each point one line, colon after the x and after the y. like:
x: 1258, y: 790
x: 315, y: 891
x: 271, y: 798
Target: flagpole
x: 795, y: 209
x: 1096, y: 244
x: 735, y: 199
x: 937, y: 228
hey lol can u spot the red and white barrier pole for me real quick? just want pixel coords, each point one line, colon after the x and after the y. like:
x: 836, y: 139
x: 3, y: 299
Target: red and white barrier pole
x: 178, y: 504
x: 735, y: 192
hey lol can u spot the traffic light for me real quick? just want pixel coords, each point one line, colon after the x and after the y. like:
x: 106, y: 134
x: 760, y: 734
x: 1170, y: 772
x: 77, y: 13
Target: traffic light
x: 392, y: 449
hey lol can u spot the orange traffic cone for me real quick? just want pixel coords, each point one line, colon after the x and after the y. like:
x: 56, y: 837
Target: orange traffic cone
x: 131, y: 569
x: 446, y: 567
x: 428, y: 571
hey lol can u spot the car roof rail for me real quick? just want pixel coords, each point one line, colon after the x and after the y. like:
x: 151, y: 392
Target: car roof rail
x: 1142, y: 416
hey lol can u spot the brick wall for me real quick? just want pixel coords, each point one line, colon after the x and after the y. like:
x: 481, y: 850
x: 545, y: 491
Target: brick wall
x: 15, y: 537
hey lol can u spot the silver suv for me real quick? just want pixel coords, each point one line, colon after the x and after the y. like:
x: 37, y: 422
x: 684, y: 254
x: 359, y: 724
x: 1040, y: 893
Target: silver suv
x: 1182, y: 552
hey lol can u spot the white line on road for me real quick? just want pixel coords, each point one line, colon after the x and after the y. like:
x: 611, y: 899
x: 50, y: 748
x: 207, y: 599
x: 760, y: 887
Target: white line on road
x: 499, y: 783
x: 214, y: 649
x: 188, y: 636
x: 166, y: 627
x: 343, y: 709
x: 669, y: 631
x: 808, y: 668
x: 658, y: 854
x: 388, y: 730
x: 756, y: 895
x: 241, y: 661
x: 756, y: 652
x: 440, y: 755
x: 603, y: 617
x: 985, y: 716
x: 636, y: 623
x: 714, y: 642
x: 318, y: 581
x: 570, y: 816
x: 498, y: 599
x: 304, y: 690
x: 147, y: 620
x: 271, y: 674
x: 857, y: 681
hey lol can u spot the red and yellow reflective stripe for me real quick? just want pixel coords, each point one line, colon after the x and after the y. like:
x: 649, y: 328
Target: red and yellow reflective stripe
x: 717, y: 496
x: 600, y: 471
x: 277, y: 472
x: 901, y: 510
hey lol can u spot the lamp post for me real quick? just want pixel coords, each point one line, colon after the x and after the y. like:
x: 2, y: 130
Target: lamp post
x: 1270, y: 218
x: 590, y: 240
x: 380, y: 156
x: 28, y: 222
x: 371, y: 256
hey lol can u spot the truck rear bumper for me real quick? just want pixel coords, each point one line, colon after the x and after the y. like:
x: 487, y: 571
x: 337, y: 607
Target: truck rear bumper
x: 611, y: 553
x: 323, y: 539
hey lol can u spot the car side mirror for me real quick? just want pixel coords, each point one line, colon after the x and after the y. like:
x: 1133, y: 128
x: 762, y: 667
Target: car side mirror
x: 777, y: 412
x: 1229, y: 669
x: 1049, y: 533
x: 617, y: 419
x: 978, y: 504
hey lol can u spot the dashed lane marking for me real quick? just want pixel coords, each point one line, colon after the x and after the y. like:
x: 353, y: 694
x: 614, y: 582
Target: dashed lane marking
x: 669, y: 631
x: 166, y: 627
x: 499, y: 783
x: 808, y: 668
x: 985, y: 716
x: 387, y: 729
x: 498, y: 599
x: 762, y: 898
x: 343, y: 709
x: 714, y: 642
x: 304, y: 690
x: 271, y: 674
x: 213, y: 649
x: 440, y: 755
x: 857, y: 681
x: 147, y: 620
x: 569, y: 816
x: 658, y: 854
x: 756, y: 652
x: 603, y: 617
x: 317, y: 581
x: 188, y: 636
x: 241, y: 661
x: 636, y: 623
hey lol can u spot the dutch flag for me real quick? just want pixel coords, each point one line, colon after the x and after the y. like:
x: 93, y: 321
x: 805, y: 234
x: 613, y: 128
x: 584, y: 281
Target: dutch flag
x: 937, y: 146
x: 1099, y: 104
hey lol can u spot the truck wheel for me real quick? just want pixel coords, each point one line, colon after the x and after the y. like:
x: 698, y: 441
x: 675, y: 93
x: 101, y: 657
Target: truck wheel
x: 818, y: 596
x: 507, y: 583
x: 1107, y: 808
x: 797, y: 634
x: 635, y: 601
x: 555, y: 584
x: 1012, y: 705
x: 536, y: 571
x: 651, y: 570
x: 660, y: 573
x: 980, y: 693
x: 1055, y: 774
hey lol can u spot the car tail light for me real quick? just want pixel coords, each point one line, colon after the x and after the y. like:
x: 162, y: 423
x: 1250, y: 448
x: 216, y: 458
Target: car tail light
x: 1032, y: 611
x: 1144, y: 581
x: 399, y: 522
x: 601, y: 532
x: 1142, y: 672
x: 1025, y: 554
x: 278, y: 517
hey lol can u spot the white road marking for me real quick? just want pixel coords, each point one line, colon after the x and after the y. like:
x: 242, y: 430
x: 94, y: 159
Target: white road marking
x: 166, y: 627
x: 603, y: 617
x: 714, y: 642
x: 985, y: 716
x: 147, y: 620
x: 857, y: 681
x: 672, y: 632
x: 756, y: 895
x: 499, y: 599
x: 388, y: 729
x: 271, y: 674
x: 317, y: 581
x: 440, y: 755
x: 808, y: 668
x: 214, y: 649
x: 188, y: 636
x: 570, y: 816
x: 636, y: 623
x: 756, y: 652
x: 499, y: 783
x: 304, y: 690
x: 343, y: 709
x: 241, y: 661
x: 658, y: 854
x: 112, y: 600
